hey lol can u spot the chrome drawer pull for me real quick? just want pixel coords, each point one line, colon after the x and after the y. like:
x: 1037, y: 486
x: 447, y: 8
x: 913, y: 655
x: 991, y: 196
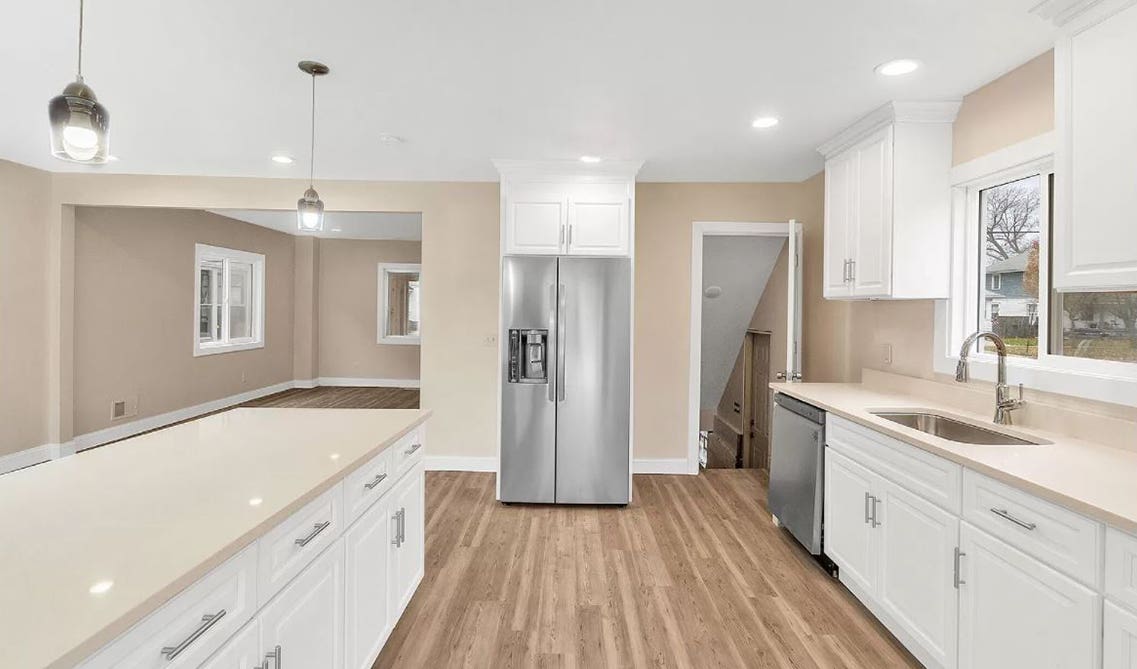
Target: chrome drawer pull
x: 378, y: 479
x: 316, y: 529
x: 1003, y: 513
x: 273, y: 655
x: 868, y: 514
x: 955, y: 578
x: 398, y: 540
x: 207, y: 621
x: 412, y: 449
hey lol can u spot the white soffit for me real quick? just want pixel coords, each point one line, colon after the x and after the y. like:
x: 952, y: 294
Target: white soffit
x: 337, y: 224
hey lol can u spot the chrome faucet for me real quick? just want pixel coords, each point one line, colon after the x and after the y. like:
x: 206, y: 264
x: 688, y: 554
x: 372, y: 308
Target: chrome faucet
x: 1004, y: 403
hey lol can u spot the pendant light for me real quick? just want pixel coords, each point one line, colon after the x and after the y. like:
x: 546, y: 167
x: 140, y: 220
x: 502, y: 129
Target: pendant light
x: 310, y: 208
x: 79, y: 124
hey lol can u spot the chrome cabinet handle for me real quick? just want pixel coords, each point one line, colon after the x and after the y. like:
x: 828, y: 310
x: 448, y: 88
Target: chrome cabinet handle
x: 1003, y: 513
x: 561, y: 240
x: 402, y: 525
x: 412, y: 449
x: 273, y: 655
x: 875, y: 522
x: 396, y: 541
x: 955, y: 576
x: 845, y: 271
x: 376, y: 481
x: 868, y: 502
x: 316, y: 529
x: 207, y: 621
x: 570, y: 234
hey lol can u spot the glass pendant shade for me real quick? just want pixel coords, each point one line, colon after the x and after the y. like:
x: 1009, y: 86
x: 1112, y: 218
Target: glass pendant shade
x: 310, y: 211
x: 79, y: 125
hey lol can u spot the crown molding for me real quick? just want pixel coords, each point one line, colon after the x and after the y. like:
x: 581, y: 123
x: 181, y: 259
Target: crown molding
x: 1072, y: 14
x: 540, y: 170
x: 938, y: 111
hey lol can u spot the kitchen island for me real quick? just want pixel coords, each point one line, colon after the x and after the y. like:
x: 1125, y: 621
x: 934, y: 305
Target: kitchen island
x: 167, y: 547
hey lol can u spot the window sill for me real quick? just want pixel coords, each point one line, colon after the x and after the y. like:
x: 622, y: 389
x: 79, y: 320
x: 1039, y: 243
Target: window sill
x: 402, y: 341
x: 214, y: 349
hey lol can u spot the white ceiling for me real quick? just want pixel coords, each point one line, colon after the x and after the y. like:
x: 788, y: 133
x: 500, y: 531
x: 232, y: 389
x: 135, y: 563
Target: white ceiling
x: 337, y: 224
x: 210, y: 87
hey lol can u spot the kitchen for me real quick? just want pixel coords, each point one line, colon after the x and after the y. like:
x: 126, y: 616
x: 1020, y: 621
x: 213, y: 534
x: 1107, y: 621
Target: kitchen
x: 693, y: 569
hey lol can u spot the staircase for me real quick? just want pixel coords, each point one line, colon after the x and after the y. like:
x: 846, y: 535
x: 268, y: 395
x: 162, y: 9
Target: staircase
x: 724, y: 446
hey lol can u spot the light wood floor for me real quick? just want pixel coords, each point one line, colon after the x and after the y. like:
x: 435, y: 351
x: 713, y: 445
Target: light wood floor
x: 329, y: 397
x: 692, y: 574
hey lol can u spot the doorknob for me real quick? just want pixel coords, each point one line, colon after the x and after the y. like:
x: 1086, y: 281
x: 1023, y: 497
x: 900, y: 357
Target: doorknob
x: 796, y: 376
x: 781, y: 376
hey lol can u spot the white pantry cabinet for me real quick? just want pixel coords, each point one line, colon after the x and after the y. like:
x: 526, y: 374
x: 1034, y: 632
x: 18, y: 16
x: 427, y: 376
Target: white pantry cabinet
x: 1120, y: 638
x: 888, y: 204
x: 567, y: 209
x: 1095, y: 65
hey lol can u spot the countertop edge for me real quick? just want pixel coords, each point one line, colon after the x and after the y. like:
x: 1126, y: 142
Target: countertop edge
x: 128, y: 620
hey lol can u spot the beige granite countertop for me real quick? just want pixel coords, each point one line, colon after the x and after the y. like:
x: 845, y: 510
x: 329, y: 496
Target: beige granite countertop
x: 1096, y: 480
x: 154, y: 513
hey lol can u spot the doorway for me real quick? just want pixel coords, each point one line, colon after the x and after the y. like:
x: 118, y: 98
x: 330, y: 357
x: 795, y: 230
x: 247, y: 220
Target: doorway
x: 745, y: 329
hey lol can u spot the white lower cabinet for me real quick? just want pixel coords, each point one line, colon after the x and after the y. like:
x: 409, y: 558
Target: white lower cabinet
x: 408, y: 506
x: 369, y: 545
x: 848, y: 512
x: 1017, y: 612
x: 243, y: 651
x: 304, y: 625
x: 1120, y: 638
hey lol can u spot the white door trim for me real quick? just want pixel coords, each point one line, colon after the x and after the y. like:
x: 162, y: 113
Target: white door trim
x: 699, y: 230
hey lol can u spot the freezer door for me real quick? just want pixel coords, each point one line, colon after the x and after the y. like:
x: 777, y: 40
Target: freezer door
x: 528, y: 409
x: 593, y: 380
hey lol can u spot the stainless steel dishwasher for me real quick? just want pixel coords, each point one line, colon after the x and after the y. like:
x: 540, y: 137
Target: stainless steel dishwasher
x: 796, y: 469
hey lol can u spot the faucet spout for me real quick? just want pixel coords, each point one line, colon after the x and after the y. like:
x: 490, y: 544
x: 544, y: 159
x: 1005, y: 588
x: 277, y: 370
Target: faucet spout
x: 1004, y: 404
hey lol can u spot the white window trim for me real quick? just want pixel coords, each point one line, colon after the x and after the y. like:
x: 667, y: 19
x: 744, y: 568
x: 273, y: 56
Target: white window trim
x: 1099, y: 380
x: 381, y: 304
x: 257, y: 260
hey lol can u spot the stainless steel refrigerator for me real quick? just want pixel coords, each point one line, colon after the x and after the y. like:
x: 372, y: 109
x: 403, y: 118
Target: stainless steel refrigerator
x: 566, y: 380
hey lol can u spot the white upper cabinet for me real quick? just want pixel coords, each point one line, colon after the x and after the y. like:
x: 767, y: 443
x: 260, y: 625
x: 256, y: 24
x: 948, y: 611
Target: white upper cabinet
x: 1095, y: 232
x: 888, y: 204
x: 567, y: 208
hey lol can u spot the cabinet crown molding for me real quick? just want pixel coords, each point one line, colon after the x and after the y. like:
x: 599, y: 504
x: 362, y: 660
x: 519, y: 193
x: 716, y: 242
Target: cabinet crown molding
x: 938, y: 111
x: 570, y: 170
x: 1076, y: 14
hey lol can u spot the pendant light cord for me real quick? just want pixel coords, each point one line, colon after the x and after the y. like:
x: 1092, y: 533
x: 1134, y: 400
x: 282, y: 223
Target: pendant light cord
x: 312, y: 148
x: 80, y: 40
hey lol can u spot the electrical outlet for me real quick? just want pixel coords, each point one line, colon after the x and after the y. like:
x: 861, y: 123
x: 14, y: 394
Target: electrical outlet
x: 124, y: 408
x: 489, y: 340
x: 886, y: 354
x: 244, y: 376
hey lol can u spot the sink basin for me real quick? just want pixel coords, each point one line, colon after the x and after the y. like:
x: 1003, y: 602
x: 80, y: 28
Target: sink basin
x: 954, y: 430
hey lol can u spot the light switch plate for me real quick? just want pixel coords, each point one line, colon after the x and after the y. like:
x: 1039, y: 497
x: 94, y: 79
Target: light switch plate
x: 886, y: 353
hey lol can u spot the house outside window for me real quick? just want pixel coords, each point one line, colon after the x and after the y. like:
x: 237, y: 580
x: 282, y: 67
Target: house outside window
x: 229, y: 309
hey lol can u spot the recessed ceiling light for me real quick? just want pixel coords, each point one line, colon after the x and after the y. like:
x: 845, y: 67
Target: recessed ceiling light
x: 765, y: 122
x: 282, y: 159
x: 391, y: 139
x: 590, y: 159
x: 256, y: 501
x: 101, y: 587
x: 896, y: 68
x: 334, y: 456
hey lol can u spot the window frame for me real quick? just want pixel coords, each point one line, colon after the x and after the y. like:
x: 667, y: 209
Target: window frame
x: 381, y: 304
x: 958, y: 316
x: 206, y: 252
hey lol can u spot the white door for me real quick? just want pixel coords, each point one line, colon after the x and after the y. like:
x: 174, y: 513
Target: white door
x: 367, y: 547
x: 1016, y: 612
x: 796, y: 253
x: 306, y: 619
x: 243, y: 651
x: 839, y: 177
x: 598, y: 220
x: 849, y: 535
x: 535, y: 219
x: 916, y: 572
x: 408, y: 500
x: 872, y: 230
x: 1120, y: 650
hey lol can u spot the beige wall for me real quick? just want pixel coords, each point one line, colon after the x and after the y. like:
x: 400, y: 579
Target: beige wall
x: 664, y: 214
x: 134, y: 307
x: 348, y: 310
x: 24, y: 266
x: 306, y: 309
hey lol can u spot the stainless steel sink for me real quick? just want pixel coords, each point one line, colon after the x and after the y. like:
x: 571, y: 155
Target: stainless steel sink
x: 954, y: 430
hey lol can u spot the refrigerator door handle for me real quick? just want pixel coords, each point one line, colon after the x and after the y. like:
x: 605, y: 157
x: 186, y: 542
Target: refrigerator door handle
x: 561, y: 300
x: 553, y: 328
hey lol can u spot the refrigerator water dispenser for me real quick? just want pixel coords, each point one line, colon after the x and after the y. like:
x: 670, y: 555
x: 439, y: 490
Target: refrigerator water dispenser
x: 527, y: 360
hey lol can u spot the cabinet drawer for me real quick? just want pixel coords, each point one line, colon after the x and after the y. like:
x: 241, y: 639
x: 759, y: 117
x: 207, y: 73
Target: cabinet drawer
x: 367, y: 484
x: 1121, y: 567
x: 933, y: 478
x: 407, y: 452
x: 291, y: 545
x: 1059, y: 537
x: 192, y: 625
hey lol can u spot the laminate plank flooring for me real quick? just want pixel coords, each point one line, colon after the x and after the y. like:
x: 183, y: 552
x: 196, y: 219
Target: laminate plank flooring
x: 691, y: 574
x: 331, y: 397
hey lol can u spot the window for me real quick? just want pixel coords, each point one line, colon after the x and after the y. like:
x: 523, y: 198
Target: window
x: 400, y: 294
x: 229, y: 313
x: 1071, y: 343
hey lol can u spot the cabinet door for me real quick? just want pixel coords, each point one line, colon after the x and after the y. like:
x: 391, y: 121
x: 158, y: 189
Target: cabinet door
x: 598, y: 220
x: 1095, y: 239
x: 367, y: 547
x: 1017, y: 612
x: 535, y: 219
x: 916, y: 572
x: 1120, y: 651
x: 306, y: 619
x: 243, y: 651
x: 849, y: 535
x: 872, y: 229
x: 839, y: 176
x: 408, y: 499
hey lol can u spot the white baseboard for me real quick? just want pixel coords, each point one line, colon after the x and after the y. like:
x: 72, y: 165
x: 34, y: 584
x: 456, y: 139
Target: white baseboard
x: 660, y: 466
x: 368, y: 383
x: 124, y: 430
x: 457, y: 463
x: 34, y: 456
x: 305, y: 383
